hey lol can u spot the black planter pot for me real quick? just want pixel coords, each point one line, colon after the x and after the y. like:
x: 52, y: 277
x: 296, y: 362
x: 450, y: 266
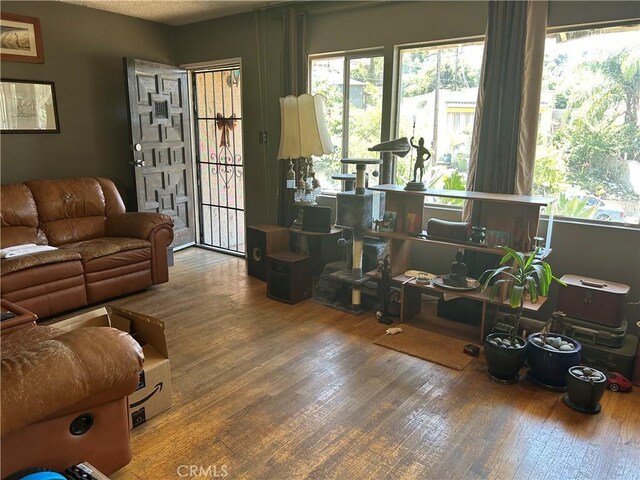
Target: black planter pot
x: 549, y: 368
x: 584, y: 391
x: 504, y: 363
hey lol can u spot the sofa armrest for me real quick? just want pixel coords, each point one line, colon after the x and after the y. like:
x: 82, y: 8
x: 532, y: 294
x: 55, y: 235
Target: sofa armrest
x: 137, y: 224
x: 155, y: 227
x: 92, y: 362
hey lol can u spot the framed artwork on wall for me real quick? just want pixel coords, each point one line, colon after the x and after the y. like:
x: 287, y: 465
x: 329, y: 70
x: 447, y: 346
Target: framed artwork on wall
x: 20, y: 39
x: 28, y: 106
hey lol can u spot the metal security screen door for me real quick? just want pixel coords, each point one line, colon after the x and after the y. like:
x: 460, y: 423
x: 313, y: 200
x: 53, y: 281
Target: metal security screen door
x: 218, y: 121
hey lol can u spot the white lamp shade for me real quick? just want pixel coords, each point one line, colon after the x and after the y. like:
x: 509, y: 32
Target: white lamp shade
x: 303, y: 131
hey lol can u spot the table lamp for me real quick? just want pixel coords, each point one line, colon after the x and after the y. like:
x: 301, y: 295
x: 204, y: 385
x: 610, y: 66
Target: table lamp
x: 303, y: 132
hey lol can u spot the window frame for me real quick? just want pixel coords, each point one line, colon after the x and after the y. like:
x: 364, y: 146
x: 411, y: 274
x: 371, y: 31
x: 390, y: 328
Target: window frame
x: 394, y: 94
x: 397, y: 72
x: 346, y: 56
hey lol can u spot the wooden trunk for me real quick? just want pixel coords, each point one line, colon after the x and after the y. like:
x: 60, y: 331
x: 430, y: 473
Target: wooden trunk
x: 598, y: 301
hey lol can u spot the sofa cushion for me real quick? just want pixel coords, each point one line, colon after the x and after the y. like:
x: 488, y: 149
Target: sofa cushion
x: 75, y: 209
x: 48, y: 289
x: 26, y: 339
x: 67, y: 198
x: 15, y: 264
x: 101, y: 247
x: 54, y: 276
x: 19, y: 217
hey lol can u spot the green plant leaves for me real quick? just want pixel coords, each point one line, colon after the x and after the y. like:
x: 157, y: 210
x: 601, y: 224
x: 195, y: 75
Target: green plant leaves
x: 528, y: 272
x: 516, y: 296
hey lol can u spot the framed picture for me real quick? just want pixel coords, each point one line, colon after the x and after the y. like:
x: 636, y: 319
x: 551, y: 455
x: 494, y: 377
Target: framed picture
x: 20, y: 39
x: 497, y: 238
x: 388, y: 221
x: 28, y: 106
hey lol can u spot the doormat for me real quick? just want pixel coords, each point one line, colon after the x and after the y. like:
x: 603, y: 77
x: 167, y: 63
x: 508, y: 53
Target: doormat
x: 428, y: 346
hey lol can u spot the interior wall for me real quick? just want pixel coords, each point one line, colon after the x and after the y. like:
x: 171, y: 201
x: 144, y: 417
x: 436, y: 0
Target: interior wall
x: 338, y: 26
x: 256, y: 38
x: 83, y: 51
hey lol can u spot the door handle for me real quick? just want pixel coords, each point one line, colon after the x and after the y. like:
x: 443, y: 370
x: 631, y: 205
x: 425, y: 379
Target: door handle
x: 138, y: 163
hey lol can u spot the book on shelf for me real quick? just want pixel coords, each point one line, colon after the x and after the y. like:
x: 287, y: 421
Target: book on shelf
x: 414, y: 223
x: 400, y: 220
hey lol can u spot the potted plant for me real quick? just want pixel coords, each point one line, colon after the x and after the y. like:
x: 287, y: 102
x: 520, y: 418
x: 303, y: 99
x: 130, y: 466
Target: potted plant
x: 585, y: 387
x: 550, y: 355
x: 518, y: 276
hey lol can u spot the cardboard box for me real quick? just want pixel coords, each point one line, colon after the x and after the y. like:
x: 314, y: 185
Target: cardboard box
x: 154, y: 389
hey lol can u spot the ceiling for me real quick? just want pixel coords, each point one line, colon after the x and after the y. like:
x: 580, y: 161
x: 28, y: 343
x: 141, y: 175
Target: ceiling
x: 176, y: 12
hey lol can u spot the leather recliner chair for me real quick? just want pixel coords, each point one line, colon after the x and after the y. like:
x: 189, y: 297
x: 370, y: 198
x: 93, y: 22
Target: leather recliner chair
x: 64, y: 396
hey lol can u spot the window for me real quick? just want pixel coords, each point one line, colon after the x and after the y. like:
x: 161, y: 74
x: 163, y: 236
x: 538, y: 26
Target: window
x: 588, y: 151
x: 437, y: 101
x: 351, y: 87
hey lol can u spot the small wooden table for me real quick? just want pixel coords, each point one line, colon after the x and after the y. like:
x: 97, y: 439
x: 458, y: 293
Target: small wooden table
x: 22, y: 318
x: 322, y: 247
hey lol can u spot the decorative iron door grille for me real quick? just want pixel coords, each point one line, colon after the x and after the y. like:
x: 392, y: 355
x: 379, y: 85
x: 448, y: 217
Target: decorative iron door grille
x: 218, y: 122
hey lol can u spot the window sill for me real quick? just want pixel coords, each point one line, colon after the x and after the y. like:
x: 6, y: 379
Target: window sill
x: 592, y: 223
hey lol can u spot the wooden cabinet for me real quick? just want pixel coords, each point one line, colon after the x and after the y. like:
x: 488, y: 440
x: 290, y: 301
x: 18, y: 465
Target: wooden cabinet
x: 289, y: 277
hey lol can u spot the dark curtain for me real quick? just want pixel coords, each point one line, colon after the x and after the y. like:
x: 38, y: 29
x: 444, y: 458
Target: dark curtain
x: 496, y: 126
x: 293, y: 82
x: 506, y: 120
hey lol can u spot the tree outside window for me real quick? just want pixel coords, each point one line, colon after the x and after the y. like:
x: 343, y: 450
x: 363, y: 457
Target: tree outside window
x: 588, y: 151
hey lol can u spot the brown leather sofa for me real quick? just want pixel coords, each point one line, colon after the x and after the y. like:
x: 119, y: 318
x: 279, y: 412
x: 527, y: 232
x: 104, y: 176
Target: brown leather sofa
x: 63, y: 395
x: 102, y: 251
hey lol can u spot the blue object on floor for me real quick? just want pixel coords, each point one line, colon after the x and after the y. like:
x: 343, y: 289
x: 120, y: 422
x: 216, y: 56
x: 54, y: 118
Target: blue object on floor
x: 43, y: 476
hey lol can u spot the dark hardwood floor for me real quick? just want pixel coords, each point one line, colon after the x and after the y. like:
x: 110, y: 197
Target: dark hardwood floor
x: 265, y: 390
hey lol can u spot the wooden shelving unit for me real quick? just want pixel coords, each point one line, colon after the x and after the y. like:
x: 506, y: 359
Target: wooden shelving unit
x: 413, y: 238
x: 411, y: 300
x: 517, y: 215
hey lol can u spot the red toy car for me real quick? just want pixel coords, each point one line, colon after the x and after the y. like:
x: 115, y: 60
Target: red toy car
x: 617, y: 382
